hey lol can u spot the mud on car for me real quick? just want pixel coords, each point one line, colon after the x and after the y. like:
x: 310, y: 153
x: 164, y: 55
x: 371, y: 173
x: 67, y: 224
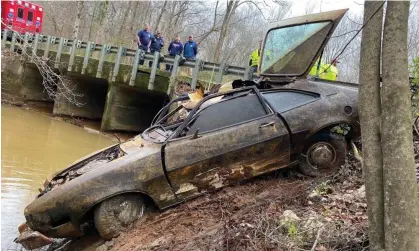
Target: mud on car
x: 225, y: 137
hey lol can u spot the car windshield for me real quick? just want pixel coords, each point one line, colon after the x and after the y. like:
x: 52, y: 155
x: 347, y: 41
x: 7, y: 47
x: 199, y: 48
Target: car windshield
x: 290, y: 50
x: 168, y: 120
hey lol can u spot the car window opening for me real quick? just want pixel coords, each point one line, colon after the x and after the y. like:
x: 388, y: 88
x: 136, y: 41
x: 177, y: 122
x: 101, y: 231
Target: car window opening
x: 174, y: 114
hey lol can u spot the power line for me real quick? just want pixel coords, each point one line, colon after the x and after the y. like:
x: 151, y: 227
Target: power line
x: 350, y: 41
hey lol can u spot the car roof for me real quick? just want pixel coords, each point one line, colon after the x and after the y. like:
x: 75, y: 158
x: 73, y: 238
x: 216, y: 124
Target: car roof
x: 324, y: 88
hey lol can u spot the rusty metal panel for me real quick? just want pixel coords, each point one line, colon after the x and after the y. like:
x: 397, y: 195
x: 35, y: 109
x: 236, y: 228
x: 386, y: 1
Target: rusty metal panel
x: 222, y: 157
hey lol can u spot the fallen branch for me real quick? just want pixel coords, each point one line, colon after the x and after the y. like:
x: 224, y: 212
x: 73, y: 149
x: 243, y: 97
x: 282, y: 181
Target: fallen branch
x: 317, y: 238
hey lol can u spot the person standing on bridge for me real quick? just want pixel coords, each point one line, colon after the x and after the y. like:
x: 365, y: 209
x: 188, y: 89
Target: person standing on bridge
x: 144, y: 40
x: 190, y: 49
x: 157, y: 43
x: 175, y: 48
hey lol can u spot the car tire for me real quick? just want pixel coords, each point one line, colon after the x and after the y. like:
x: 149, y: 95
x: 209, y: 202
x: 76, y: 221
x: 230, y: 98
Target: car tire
x: 324, y: 154
x: 117, y: 213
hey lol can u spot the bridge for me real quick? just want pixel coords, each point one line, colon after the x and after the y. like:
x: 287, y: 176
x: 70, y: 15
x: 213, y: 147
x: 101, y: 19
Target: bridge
x: 108, y: 79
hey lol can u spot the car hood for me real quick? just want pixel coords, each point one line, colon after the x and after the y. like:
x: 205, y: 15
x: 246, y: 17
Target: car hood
x: 291, y: 46
x: 98, y: 159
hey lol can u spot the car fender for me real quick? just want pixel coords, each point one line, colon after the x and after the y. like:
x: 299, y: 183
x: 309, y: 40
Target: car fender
x: 130, y: 173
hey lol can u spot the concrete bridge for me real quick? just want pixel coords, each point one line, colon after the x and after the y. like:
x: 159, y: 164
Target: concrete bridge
x: 108, y: 80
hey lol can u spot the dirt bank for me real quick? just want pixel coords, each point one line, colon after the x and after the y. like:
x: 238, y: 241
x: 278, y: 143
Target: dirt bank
x: 267, y: 213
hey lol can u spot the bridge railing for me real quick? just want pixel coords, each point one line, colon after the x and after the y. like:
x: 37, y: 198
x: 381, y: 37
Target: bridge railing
x: 34, y: 41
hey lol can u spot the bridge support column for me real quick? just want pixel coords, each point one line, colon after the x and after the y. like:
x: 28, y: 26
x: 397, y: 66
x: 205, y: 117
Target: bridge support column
x: 130, y: 109
x: 32, y: 84
x: 90, y: 97
x: 22, y: 81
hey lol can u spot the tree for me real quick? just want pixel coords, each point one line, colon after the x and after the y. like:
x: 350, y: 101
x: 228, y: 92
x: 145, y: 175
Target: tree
x: 76, y: 27
x: 231, y: 9
x: 401, y: 201
x: 370, y: 113
x: 386, y: 124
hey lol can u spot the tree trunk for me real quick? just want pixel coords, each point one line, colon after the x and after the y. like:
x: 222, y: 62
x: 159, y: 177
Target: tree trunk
x: 134, y: 17
x: 92, y: 21
x: 122, y: 26
x: 76, y: 27
x: 370, y: 113
x: 401, y: 191
x: 231, y: 7
x: 161, y: 15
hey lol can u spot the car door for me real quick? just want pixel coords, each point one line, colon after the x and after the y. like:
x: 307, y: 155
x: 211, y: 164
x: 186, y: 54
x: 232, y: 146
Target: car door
x: 239, y: 137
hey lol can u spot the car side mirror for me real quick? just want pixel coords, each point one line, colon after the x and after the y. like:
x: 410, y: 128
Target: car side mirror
x: 195, y: 135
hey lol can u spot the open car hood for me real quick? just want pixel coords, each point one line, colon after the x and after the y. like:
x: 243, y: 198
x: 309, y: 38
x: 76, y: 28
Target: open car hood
x: 292, y: 46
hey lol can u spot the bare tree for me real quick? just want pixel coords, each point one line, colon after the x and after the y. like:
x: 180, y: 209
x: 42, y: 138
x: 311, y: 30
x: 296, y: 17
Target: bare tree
x: 76, y: 27
x: 400, y: 188
x: 370, y: 113
x: 55, y: 85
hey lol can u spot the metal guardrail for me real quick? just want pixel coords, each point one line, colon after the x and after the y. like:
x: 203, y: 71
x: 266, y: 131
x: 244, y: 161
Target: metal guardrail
x: 196, y: 65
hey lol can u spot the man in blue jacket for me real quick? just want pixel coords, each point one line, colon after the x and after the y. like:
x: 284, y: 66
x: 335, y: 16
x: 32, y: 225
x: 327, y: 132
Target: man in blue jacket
x: 175, y: 48
x: 157, y: 43
x: 190, y: 49
x: 144, y: 40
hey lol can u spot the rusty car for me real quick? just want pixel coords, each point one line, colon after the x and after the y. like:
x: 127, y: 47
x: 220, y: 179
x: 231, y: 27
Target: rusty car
x: 280, y: 121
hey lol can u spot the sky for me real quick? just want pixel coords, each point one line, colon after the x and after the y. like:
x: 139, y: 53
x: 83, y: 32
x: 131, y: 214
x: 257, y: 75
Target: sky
x: 299, y: 6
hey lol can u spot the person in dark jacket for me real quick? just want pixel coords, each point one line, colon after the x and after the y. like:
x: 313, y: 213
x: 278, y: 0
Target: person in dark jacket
x: 157, y: 43
x: 190, y: 49
x: 175, y: 48
x: 144, y: 40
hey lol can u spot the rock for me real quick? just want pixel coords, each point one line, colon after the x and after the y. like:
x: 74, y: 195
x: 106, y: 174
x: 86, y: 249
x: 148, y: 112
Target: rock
x: 290, y: 216
x: 360, y: 193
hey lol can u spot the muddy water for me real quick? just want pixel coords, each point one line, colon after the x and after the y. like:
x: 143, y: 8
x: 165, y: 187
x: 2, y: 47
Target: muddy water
x: 34, y: 147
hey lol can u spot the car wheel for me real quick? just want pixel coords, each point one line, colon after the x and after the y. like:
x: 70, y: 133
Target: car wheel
x: 324, y: 154
x: 115, y: 214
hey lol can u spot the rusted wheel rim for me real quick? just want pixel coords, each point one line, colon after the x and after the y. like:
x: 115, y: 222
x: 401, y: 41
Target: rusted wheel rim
x: 321, y: 155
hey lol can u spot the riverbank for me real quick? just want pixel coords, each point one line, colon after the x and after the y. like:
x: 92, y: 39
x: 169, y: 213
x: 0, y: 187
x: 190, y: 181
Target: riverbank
x: 45, y: 108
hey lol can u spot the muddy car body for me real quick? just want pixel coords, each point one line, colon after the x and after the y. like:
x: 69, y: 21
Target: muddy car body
x: 226, y: 137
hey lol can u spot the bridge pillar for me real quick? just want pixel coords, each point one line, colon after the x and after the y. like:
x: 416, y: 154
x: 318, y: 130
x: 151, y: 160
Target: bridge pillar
x: 88, y: 100
x: 22, y: 81
x: 130, y: 108
x: 32, y: 84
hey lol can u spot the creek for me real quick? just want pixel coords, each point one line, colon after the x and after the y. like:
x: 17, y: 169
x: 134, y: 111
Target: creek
x: 34, y: 146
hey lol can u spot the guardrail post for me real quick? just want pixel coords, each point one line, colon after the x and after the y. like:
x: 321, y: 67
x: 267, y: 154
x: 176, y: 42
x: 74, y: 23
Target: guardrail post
x: 247, y: 73
x: 173, y: 75
x: 25, y: 43
x: 72, y: 55
x: 4, y: 40
x: 86, y: 57
x: 13, y: 43
x: 101, y: 60
x: 153, y: 70
x: 195, y: 73
x: 46, y: 52
x: 219, y: 78
x: 35, y: 47
x: 59, y: 52
x: 117, y: 63
x: 134, y: 67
